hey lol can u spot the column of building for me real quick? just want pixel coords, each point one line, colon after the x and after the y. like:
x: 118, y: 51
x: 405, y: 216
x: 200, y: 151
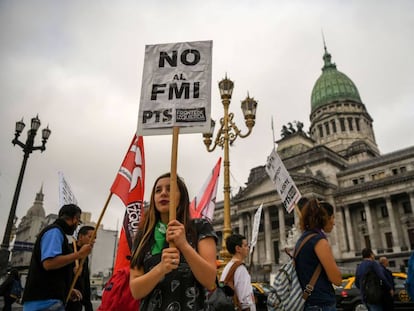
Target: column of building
x: 257, y: 250
x: 411, y: 196
x: 349, y: 231
x: 372, y: 235
x: 267, y: 235
x: 282, y: 234
x: 282, y: 227
x: 241, y: 224
x: 394, y: 230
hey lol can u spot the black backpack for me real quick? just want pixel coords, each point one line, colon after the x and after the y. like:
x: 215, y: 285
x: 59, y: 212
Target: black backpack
x: 372, y: 287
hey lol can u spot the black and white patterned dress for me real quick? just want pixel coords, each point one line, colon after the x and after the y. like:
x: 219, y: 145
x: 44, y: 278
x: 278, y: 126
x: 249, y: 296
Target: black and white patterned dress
x: 179, y: 290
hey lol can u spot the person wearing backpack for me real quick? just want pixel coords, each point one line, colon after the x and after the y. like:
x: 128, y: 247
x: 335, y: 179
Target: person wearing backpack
x: 11, y: 289
x: 317, y: 218
x: 237, y: 246
x: 371, y: 281
x: 172, y: 277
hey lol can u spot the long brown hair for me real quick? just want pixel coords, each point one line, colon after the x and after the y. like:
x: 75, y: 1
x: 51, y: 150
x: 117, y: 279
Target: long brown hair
x: 315, y: 214
x: 145, y: 234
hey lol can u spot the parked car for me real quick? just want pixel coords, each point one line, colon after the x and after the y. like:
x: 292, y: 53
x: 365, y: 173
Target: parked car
x: 261, y: 290
x: 348, y: 296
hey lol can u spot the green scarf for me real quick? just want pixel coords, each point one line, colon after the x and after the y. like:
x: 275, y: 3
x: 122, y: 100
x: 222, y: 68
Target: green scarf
x: 159, y: 237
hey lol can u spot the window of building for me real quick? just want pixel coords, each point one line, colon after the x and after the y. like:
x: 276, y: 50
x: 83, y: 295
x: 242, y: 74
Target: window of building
x: 276, y: 250
x: 359, y: 180
x: 388, y: 239
x: 342, y: 124
x: 411, y: 237
x: 351, y: 128
x: 333, y: 122
x: 384, y: 211
x: 367, y: 241
x: 400, y: 170
x: 274, y: 218
x: 327, y: 128
x: 378, y: 175
x: 320, y: 130
x: 357, y: 124
x: 289, y: 220
x: 407, y: 207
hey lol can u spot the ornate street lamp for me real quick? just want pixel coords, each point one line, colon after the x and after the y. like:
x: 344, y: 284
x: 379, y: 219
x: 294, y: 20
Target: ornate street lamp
x: 225, y: 136
x: 28, y: 148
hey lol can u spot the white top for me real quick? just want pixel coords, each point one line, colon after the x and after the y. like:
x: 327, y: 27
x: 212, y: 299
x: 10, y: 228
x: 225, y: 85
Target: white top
x: 242, y: 285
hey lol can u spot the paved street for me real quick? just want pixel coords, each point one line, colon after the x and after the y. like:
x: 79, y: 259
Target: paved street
x: 17, y: 306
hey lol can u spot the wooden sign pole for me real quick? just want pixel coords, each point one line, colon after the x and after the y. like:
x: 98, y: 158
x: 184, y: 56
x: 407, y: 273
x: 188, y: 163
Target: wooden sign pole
x: 173, y: 176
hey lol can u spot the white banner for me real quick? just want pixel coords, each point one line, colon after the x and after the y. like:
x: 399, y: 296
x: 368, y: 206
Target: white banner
x: 285, y: 186
x: 66, y: 196
x: 256, y: 225
x: 176, y: 88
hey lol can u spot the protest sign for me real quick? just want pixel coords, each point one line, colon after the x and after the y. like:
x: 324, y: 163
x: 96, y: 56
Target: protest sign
x: 256, y: 226
x: 176, y: 88
x: 285, y: 186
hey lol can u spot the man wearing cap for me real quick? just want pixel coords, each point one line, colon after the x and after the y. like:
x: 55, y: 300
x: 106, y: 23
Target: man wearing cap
x: 50, y: 272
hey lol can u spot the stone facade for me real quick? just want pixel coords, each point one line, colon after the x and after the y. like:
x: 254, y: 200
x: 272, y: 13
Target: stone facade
x: 339, y: 162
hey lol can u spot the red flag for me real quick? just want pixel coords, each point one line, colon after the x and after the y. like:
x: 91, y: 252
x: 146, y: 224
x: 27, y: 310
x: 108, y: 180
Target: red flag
x: 204, y: 203
x: 129, y: 187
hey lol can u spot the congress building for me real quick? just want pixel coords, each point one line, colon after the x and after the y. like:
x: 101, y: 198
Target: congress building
x: 338, y: 161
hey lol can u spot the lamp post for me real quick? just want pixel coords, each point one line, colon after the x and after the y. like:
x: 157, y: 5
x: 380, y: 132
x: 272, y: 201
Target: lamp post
x: 28, y: 148
x: 225, y: 136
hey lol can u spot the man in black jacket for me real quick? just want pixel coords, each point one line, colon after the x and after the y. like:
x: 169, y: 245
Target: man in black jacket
x: 51, y: 267
x: 83, y: 282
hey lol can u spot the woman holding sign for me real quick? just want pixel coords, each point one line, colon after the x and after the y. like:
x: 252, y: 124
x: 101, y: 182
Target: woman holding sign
x: 172, y: 278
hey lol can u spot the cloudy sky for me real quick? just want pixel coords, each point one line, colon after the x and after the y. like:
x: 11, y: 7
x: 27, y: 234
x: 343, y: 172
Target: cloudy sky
x: 78, y: 65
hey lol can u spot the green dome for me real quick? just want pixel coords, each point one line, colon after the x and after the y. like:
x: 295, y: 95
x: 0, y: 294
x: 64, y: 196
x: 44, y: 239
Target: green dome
x: 332, y: 85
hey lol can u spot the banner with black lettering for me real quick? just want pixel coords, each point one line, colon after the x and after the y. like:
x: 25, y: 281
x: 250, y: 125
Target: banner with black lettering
x: 285, y: 186
x: 129, y: 186
x: 176, y: 88
x: 66, y: 195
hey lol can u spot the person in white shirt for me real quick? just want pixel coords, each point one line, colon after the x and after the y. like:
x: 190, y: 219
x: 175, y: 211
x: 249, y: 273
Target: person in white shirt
x: 237, y: 246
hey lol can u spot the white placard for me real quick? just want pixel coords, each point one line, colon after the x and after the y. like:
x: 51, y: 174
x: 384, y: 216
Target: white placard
x: 176, y: 88
x: 285, y: 186
x: 66, y: 195
x: 256, y: 225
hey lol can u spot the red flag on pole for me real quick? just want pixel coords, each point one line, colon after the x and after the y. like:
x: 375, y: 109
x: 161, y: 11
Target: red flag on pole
x: 129, y: 187
x: 204, y: 203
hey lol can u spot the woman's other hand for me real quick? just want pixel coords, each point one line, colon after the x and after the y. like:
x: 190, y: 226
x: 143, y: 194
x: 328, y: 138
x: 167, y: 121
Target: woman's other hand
x: 170, y: 259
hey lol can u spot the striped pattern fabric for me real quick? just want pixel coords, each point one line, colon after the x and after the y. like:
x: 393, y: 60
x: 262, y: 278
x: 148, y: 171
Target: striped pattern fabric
x: 288, y: 296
